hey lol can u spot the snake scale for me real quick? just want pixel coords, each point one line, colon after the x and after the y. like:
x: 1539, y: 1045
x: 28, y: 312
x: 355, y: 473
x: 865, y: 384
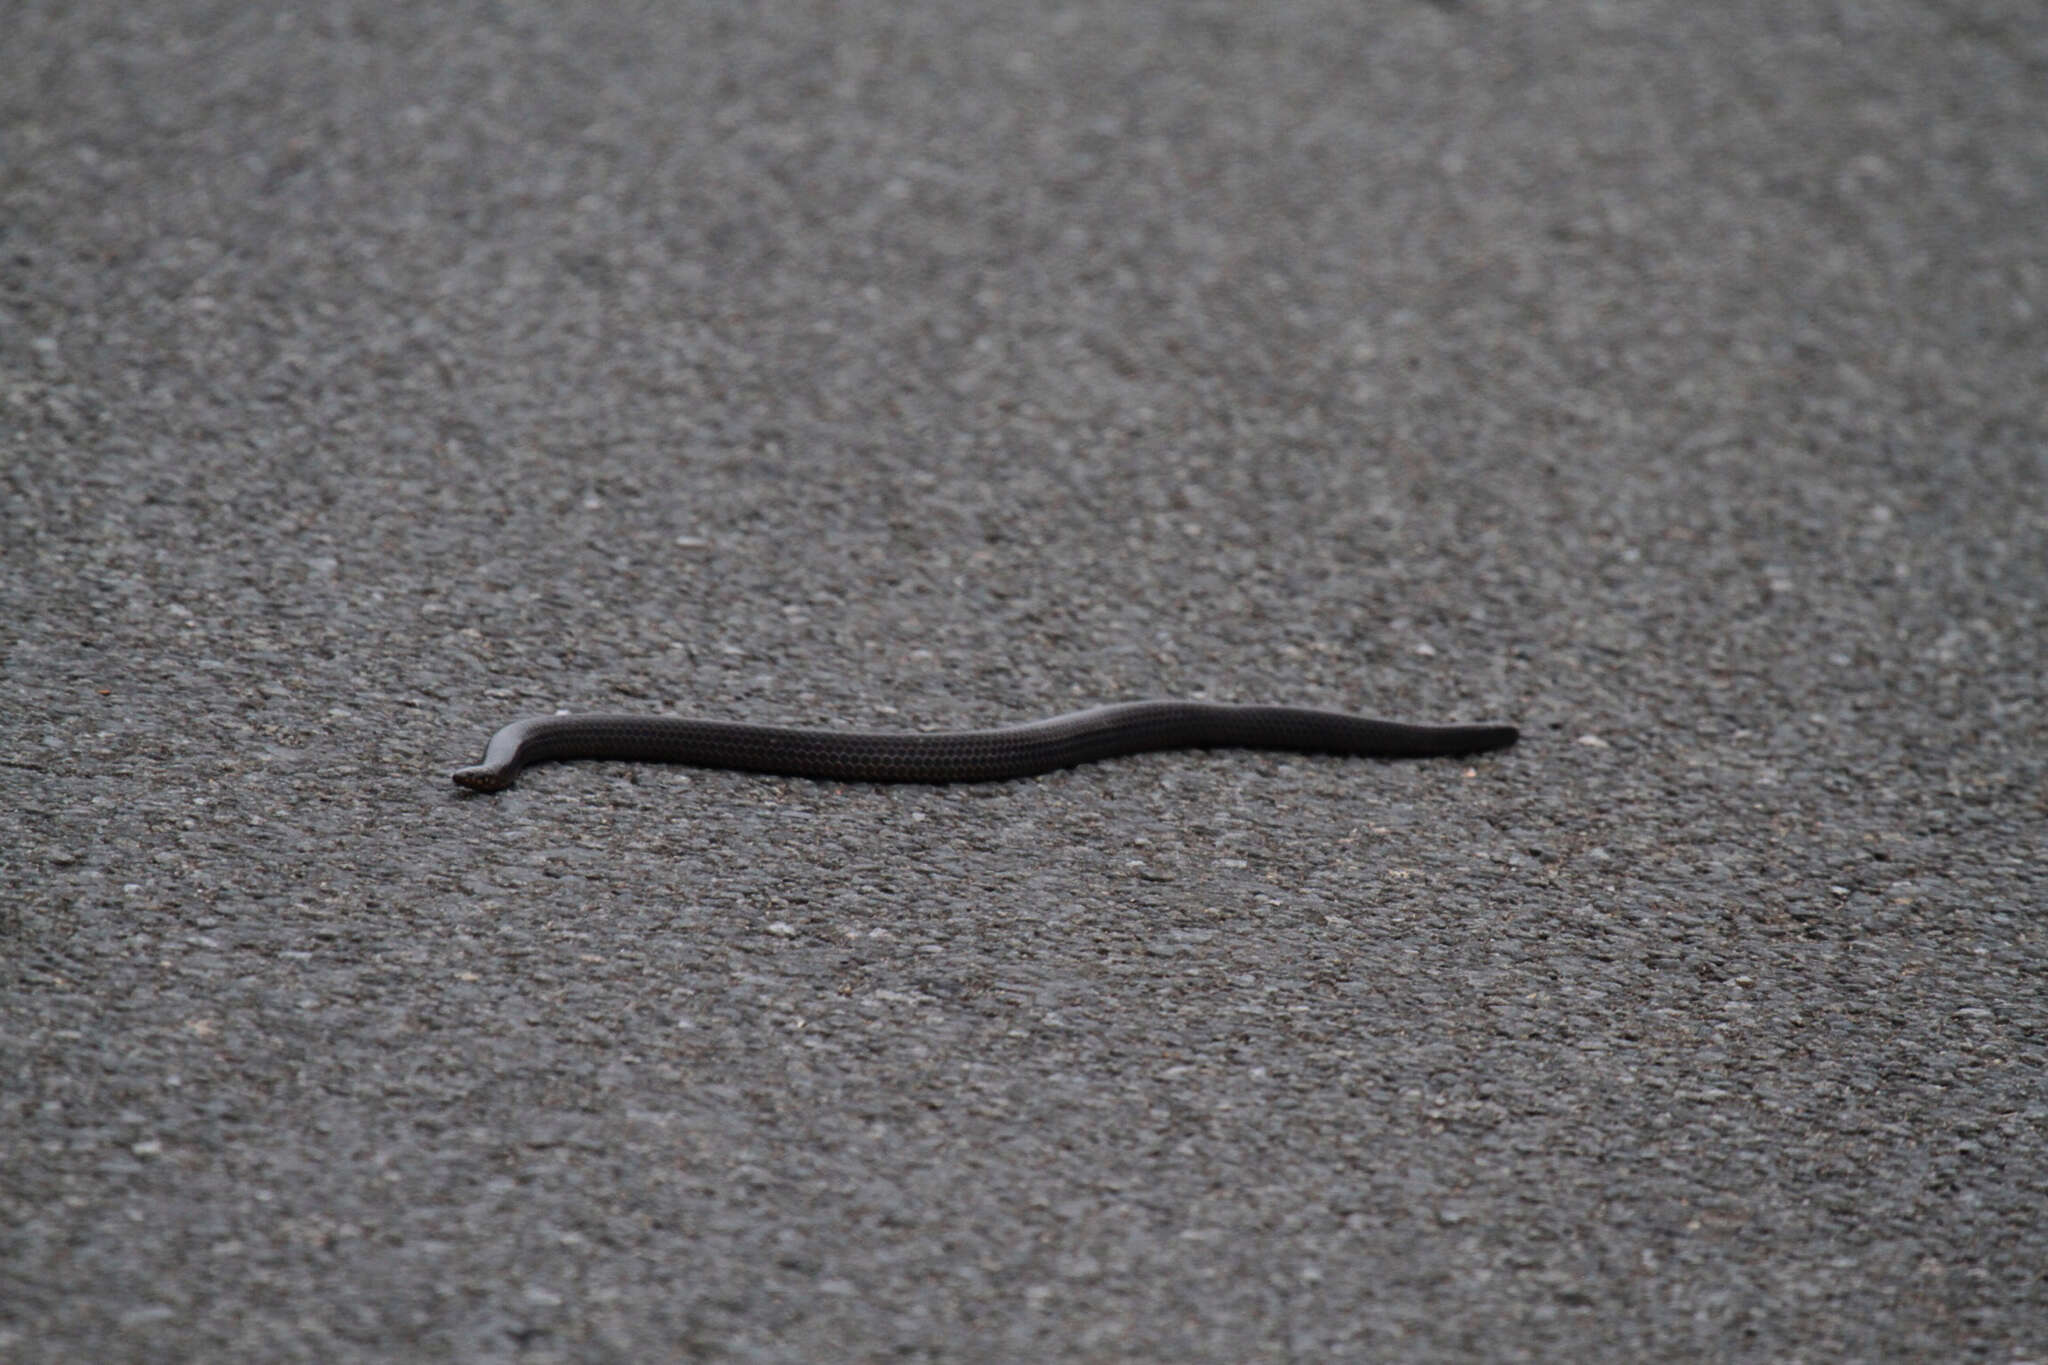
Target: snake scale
x: 965, y: 755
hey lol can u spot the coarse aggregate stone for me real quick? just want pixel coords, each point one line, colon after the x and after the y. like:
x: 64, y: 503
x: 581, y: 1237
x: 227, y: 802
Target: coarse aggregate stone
x: 1666, y: 379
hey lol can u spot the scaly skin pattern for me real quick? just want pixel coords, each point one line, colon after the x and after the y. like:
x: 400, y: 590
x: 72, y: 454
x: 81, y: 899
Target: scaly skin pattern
x: 965, y: 755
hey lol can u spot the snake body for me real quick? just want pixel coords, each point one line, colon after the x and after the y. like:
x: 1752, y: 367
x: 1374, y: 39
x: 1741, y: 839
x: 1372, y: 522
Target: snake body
x: 965, y: 755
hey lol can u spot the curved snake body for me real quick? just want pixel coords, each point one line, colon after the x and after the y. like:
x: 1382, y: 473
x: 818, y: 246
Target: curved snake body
x: 965, y: 755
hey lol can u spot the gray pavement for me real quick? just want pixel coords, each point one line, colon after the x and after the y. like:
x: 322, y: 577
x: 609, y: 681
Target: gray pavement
x: 1671, y: 380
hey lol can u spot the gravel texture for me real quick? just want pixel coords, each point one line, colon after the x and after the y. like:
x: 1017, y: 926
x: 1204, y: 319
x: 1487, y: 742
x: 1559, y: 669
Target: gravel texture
x: 1669, y: 379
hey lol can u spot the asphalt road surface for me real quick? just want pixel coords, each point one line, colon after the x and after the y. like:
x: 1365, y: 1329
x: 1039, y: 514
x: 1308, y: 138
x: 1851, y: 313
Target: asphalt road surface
x: 1668, y: 379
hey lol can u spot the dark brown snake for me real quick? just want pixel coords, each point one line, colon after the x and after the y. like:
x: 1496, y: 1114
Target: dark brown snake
x: 965, y: 755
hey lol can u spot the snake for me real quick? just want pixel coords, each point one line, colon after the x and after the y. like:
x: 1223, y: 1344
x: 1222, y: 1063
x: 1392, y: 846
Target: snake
x: 997, y: 755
